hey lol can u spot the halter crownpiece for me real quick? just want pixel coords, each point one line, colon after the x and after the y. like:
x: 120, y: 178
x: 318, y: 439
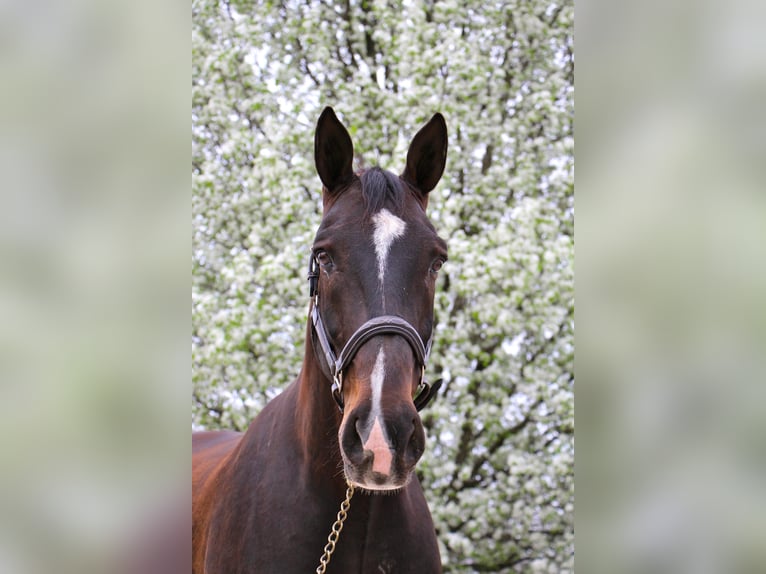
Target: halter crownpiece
x: 381, y: 325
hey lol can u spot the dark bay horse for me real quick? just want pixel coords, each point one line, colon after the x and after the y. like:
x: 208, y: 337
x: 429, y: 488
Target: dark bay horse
x: 264, y: 501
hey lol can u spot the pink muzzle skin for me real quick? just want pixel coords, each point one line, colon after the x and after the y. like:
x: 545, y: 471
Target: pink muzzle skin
x: 381, y: 451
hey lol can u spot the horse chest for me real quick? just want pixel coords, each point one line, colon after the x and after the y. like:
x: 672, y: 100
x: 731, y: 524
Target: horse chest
x: 385, y: 539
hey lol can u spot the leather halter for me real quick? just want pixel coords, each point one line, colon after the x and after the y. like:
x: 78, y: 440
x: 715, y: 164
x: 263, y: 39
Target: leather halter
x: 381, y: 325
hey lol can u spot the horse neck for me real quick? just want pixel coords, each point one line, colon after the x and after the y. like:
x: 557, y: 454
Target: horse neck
x: 318, y: 417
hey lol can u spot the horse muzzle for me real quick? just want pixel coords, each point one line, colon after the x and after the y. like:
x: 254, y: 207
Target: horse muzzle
x: 380, y: 451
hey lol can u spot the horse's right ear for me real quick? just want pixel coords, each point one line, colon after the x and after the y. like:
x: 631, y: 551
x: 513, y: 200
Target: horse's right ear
x: 333, y: 150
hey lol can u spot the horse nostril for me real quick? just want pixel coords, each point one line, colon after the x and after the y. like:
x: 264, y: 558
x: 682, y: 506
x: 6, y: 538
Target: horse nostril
x: 351, y: 442
x: 416, y: 443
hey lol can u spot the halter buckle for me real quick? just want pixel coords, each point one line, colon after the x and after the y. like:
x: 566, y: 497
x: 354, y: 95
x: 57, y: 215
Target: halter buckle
x: 313, y: 276
x: 424, y: 393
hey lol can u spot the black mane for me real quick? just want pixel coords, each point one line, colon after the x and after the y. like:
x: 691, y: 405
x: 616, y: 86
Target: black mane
x: 379, y: 187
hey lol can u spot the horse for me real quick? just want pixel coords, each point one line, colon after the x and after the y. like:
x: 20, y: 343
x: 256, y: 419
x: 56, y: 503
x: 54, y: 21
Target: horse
x: 264, y: 501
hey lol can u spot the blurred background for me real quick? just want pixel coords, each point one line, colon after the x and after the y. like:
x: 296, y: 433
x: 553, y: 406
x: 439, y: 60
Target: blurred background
x: 671, y: 276
x: 94, y: 218
x: 94, y: 215
x: 499, y: 464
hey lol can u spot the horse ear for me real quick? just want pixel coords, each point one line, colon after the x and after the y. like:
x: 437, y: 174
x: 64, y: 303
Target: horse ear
x: 333, y: 150
x: 427, y: 155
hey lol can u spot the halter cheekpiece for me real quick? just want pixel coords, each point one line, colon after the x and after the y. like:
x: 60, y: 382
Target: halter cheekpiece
x: 381, y: 325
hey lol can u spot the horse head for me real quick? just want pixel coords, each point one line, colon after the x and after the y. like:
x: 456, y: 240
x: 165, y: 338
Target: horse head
x: 374, y: 265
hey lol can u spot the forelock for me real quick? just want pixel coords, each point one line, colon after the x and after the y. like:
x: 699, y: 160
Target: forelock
x: 381, y: 188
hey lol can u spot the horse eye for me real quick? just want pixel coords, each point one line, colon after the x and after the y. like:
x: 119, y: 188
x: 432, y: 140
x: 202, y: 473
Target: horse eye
x: 323, y: 258
x: 436, y: 265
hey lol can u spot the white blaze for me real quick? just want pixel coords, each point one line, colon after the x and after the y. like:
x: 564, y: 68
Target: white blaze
x: 376, y: 380
x: 388, y: 227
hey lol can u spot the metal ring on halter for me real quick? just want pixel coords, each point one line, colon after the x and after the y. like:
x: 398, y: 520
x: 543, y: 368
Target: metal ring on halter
x: 337, y: 389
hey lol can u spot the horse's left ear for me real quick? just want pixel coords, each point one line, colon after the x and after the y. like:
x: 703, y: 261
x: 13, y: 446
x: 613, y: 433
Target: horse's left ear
x: 427, y: 156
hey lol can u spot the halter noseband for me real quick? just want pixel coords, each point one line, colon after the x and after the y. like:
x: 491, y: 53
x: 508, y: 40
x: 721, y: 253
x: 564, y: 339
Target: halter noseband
x: 381, y: 325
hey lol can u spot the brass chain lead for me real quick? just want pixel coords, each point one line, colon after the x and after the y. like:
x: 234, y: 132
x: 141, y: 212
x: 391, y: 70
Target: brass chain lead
x: 337, y: 526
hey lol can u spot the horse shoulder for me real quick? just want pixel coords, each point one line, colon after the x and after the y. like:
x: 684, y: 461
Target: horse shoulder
x: 232, y: 507
x: 210, y: 452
